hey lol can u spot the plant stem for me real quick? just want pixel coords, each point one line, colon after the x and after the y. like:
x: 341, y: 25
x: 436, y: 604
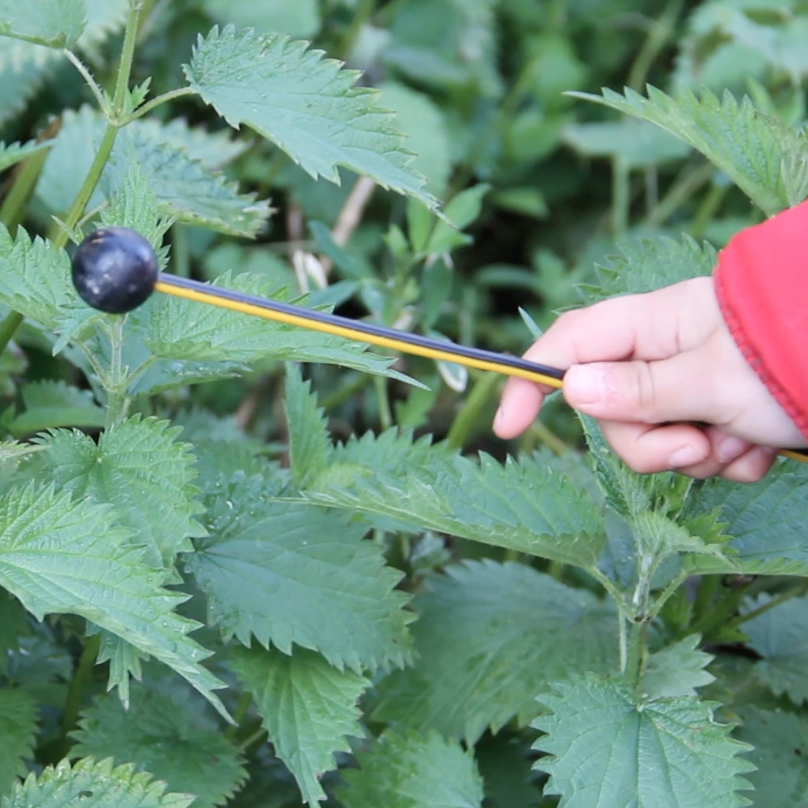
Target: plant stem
x: 362, y: 15
x: 13, y: 207
x: 797, y: 591
x: 635, y: 654
x: 239, y: 715
x: 72, y: 707
x: 621, y: 198
x: 88, y: 77
x: 258, y: 735
x: 666, y: 594
x: 656, y: 40
x: 543, y: 434
x: 118, y: 402
x: 705, y: 595
x: 127, y: 56
x: 172, y: 95
x: 108, y: 141
x: 679, y: 192
x: 9, y: 327
x: 385, y: 413
x: 469, y: 414
x: 706, y: 210
x: 11, y: 214
x: 719, y: 614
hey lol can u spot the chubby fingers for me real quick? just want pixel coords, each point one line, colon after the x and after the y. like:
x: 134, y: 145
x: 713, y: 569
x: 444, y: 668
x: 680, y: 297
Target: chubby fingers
x: 687, y: 449
x: 647, y: 327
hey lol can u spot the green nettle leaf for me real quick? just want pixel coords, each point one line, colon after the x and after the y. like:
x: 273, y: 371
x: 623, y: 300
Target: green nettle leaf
x: 140, y: 468
x: 292, y: 573
x: 125, y: 663
x: 309, y: 442
x: 677, y: 670
x: 159, y: 734
x: 18, y: 725
x: 527, y: 505
x: 24, y: 66
x: 780, y: 636
x: 489, y: 638
x: 34, y: 277
x: 780, y: 742
x: 13, y: 153
x: 305, y: 104
x: 215, y: 150
x: 644, y: 265
x: 56, y: 23
x: 177, y: 177
x: 632, y: 143
x: 765, y: 520
x: 412, y: 771
x: 94, y: 785
x: 761, y: 154
x: 50, y: 404
x: 182, y: 329
x: 606, y: 750
x: 308, y: 708
x: 59, y: 555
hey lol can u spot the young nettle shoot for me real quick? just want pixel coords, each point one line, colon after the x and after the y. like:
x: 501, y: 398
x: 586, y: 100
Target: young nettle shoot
x: 115, y: 270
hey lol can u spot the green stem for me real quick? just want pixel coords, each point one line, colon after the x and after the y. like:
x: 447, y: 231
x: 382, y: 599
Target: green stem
x: 714, y: 618
x: 88, y: 77
x: 635, y: 655
x: 173, y: 95
x: 703, y: 604
x: 362, y: 15
x: 239, y: 716
x: 667, y: 593
x: 706, y: 210
x: 13, y: 207
x: 108, y: 141
x: 127, y: 56
x: 656, y: 40
x: 11, y: 214
x: 385, y: 413
x: 118, y: 402
x: 679, y: 192
x: 543, y: 434
x: 797, y: 591
x: 75, y: 690
x: 180, y: 256
x: 347, y: 391
x: 469, y: 414
x: 252, y: 740
x: 621, y: 197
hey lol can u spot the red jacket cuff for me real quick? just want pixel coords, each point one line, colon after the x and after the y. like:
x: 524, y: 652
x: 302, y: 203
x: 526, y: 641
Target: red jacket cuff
x: 762, y: 285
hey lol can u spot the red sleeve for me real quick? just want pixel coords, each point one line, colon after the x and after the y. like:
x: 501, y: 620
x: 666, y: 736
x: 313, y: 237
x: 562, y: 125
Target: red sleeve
x: 762, y: 286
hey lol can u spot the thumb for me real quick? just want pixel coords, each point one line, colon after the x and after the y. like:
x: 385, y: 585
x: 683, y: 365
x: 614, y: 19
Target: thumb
x: 673, y: 389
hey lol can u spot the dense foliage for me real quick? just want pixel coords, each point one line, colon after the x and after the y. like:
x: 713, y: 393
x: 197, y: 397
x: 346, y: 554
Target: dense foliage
x: 244, y: 564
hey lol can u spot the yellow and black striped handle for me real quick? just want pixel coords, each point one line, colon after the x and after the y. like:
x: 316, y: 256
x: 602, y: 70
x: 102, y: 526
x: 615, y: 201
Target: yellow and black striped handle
x: 372, y: 334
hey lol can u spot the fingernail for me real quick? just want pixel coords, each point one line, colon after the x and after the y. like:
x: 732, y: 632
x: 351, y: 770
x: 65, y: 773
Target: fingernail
x: 585, y: 384
x: 500, y: 415
x: 730, y: 448
x: 685, y: 456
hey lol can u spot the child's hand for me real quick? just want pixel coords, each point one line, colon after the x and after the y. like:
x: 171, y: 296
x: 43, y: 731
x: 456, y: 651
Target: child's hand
x: 647, y: 367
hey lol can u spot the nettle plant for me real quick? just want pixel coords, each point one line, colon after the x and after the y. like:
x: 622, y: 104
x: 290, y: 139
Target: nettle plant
x: 185, y: 619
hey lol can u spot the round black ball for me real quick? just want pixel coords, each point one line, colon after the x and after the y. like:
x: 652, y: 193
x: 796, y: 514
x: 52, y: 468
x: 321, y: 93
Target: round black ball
x: 115, y: 269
